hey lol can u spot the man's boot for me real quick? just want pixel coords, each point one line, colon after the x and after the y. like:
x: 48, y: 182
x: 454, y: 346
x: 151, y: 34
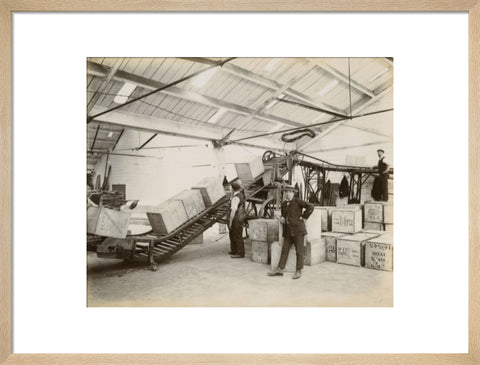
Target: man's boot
x: 277, y: 272
x: 298, y: 274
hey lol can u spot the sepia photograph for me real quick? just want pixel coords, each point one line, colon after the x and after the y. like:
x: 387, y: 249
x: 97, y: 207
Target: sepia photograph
x: 240, y: 182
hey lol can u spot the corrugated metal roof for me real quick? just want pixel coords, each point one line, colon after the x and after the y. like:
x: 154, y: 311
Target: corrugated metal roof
x: 244, y: 91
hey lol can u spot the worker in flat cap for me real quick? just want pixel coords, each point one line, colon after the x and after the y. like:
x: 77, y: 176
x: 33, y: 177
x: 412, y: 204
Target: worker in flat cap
x: 236, y: 219
x: 294, y: 212
x: 380, y: 185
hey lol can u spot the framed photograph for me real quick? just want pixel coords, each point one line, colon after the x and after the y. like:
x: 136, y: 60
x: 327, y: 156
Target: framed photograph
x: 228, y: 150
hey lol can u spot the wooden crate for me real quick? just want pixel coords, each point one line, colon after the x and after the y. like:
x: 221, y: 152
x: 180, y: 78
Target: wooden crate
x: 315, y: 251
x: 263, y: 229
x: 261, y: 251
x: 211, y: 189
x: 230, y: 172
x: 276, y: 250
x: 351, y: 249
x: 379, y: 253
x: 374, y: 212
x: 326, y: 213
x: 346, y: 220
x: 389, y: 228
x: 330, y: 239
x: 388, y: 213
x: 192, y: 201
x: 373, y: 226
x: 247, y: 244
x: 248, y: 171
x: 314, y: 224
x: 107, y: 222
x: 167, y: 217
x: 379, y: 212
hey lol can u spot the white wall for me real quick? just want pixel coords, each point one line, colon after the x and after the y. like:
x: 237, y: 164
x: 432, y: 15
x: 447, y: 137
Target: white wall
x: 166, y: 171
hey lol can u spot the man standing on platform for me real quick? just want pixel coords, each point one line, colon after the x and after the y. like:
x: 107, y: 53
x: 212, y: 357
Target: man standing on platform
x: 380, y: 185
x: 294, y: 212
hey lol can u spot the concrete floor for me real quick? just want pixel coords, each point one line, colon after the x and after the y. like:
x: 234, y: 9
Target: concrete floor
x: 204, y: 275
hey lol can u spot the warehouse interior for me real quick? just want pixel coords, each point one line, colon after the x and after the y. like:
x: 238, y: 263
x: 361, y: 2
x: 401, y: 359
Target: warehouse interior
x: 159, y: 129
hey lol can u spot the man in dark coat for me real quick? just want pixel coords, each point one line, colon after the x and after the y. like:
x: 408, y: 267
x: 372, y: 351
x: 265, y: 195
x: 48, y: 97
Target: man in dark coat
x: 380, y: 188
x: 294, y: 212
x: 235, y: 224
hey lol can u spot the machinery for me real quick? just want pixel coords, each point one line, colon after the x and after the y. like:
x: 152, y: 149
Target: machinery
x: 263, y: 197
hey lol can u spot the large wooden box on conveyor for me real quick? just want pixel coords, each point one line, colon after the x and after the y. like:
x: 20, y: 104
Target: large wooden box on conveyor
x: 192, y: 201
x: 379, y: 253
x: 168, y: 216
x: 351, y: 248
x: 249, y: 171
x: 107, y: 222
x: 347, y: 219
x: 211, y: 189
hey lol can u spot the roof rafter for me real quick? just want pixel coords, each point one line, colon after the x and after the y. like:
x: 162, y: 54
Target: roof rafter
x: 260, y: 80
x: 277, y: 93
x: 120, y: 75
x: 322, y: 64
x: 170, y: 127
x: 329, y: 130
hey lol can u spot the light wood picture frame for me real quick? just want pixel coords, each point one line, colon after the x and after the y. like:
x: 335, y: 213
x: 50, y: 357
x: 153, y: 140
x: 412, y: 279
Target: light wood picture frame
x: 8, y: 7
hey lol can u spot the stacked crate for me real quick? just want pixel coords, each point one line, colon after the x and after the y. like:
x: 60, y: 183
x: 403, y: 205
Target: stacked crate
x: 378, y: 216
x: 326, y: 218
x: 315, y: 251
x: 351, y: 248
x: 347, y: 219
x: 262, y: 233
x: 330, y: 239
x: 379, y: 252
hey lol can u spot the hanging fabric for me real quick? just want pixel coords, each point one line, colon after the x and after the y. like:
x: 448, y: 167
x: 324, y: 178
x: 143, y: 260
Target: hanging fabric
x: 344, y: 189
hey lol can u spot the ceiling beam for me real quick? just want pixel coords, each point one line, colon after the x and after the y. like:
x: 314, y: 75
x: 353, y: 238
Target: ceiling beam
x: 104, y: 84
x: 340, y: 123
x: 178, y: 81
x: 123, y: 76
x: 270, y: 84
x: 349, y: 147
x: 322, y: 64
x: 277, y: 93
x: 373, y: 131
x: 154, y: 124
x: 144, y: 123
